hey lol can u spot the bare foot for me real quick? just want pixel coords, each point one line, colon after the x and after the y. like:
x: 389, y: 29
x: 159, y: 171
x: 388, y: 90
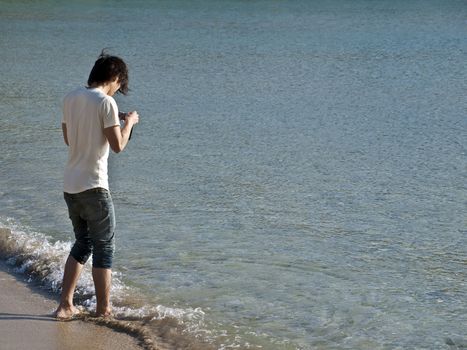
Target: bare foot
x: 106, y: 314
x: 65, y: 312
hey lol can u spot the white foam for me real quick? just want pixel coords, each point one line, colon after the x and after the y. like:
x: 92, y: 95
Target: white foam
x: 33, y: 254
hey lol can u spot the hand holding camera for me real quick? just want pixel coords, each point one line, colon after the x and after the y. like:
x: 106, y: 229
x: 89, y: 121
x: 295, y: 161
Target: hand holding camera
x: 129, y: 117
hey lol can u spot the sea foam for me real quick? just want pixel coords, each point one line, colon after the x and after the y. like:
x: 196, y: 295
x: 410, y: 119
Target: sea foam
x: 38, y: 258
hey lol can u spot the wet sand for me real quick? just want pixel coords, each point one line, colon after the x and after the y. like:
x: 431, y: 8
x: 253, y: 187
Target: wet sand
x: 26, y: 321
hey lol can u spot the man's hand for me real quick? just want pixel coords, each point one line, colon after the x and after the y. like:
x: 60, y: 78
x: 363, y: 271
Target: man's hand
x: 118, y: 137
x: 132, y: 118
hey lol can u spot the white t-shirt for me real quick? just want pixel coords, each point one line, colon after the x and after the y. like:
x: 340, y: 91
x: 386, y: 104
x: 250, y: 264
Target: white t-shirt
x: 86, y: 113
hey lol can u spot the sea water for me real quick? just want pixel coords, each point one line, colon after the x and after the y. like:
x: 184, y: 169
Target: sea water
x: 297, y: 179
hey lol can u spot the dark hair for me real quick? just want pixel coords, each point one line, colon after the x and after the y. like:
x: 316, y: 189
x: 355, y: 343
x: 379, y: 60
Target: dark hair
x: 106, y: 69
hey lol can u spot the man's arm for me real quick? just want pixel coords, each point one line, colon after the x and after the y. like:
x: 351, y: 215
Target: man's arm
x: 65, y: 137
x: 118, y: 137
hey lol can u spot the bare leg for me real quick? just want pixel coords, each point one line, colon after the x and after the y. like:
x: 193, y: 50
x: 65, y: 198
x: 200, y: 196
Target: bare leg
x: 70, y: 278
x: 102, y: 282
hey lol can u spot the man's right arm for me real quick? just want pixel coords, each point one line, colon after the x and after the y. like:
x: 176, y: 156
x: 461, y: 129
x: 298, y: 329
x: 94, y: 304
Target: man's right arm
x: 118, y: 137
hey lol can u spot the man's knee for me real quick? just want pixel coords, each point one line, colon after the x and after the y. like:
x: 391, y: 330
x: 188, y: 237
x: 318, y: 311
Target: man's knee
x: 81, y: 252
x: 103, y: 254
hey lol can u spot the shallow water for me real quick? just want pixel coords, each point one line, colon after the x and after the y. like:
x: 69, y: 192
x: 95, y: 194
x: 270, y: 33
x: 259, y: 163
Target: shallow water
x: 297, y: 180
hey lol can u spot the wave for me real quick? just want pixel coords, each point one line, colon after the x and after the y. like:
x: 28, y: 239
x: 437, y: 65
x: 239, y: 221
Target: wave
x: 155, y: 326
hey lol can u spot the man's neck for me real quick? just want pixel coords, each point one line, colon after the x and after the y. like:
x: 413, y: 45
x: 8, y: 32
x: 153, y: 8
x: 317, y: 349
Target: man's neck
x: 105, y: 88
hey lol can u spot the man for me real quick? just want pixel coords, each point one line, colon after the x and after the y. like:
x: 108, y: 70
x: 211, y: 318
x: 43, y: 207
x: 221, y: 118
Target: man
x: 90, y: 125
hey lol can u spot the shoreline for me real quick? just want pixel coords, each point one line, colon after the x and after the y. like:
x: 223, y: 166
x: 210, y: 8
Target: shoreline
x: 26, y: 321
x: 27, y: 305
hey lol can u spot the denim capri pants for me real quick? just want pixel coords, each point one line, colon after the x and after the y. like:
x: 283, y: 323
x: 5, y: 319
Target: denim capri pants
x: 93, y: 218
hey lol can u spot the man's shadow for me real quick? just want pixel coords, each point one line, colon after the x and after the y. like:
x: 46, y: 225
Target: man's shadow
x: 47, y: 317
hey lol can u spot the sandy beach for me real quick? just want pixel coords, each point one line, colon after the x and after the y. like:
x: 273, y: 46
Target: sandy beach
x: 26, y: 321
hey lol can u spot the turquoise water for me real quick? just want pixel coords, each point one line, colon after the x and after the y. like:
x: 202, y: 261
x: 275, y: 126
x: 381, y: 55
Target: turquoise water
x: 298, y: 177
